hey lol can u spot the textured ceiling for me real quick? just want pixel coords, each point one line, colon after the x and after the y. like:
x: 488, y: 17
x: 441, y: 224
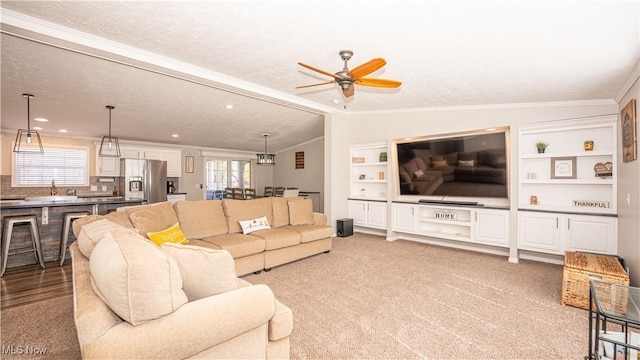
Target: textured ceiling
x: 446, y: 53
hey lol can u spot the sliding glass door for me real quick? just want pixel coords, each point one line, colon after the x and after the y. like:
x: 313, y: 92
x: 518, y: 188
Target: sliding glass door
x: 221, y: 174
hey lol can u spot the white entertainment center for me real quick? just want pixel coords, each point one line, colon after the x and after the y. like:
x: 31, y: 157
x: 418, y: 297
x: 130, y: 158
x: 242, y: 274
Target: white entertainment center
x: 561, y: 202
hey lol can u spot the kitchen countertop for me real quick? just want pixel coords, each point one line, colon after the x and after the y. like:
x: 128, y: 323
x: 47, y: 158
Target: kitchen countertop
x: 6, y: 204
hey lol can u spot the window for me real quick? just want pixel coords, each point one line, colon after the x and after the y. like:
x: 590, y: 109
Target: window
x: 68, y: 166
x: 222, y: 174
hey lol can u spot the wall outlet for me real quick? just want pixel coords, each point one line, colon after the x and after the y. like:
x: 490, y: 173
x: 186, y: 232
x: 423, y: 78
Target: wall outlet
x: 45, y: 215
x: 94, y: 187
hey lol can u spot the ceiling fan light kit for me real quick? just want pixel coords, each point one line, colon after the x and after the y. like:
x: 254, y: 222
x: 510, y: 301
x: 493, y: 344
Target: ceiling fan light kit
x: 347, y: 78
x: 266, y: 158
x: 109, y: 146
x: 25, y: 142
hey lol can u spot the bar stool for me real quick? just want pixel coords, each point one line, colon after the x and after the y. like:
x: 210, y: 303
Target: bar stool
x: 68, y: 217
x: 8, y: 222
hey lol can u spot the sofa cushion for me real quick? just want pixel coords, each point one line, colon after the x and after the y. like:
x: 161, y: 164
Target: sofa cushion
x: 134, y: 278
x: 438, y: 163
x: 497, y: 160
x: 466, y: 156
x: 300, y: 211
x: 280, y: 207
x: 422, y: 165
x: 249, y: 226
x: 152, y: 218
x: 205, y: 272
x: 118, y: 217
x: 199, y: 219
x: 310, y: 233
x: 411, y: 166
x: 238, y: 245
x: 173, y: 235
x: 237, y: 210
x: 278, y: 238
x: 91, y: 233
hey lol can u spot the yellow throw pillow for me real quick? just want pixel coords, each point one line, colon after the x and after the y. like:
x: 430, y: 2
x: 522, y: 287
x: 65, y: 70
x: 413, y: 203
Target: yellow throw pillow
x: 438, y: 163
x: 173, y: 234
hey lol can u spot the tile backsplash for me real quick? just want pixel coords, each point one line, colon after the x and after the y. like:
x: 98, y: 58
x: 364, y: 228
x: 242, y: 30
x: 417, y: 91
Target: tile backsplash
x: 8, y: 193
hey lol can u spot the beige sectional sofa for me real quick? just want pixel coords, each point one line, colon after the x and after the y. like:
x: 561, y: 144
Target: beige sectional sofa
x: 198, y: 307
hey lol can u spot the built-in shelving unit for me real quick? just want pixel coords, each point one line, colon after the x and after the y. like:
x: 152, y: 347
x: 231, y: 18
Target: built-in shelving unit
x: 368, y: 174
x: 562, y: 203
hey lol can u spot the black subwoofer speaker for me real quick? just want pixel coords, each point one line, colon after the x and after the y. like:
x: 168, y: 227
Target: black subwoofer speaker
x: 345, y: 227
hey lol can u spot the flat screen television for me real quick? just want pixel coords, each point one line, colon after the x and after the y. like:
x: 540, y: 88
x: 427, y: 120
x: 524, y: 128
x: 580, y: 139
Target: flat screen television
x: 455, y: 166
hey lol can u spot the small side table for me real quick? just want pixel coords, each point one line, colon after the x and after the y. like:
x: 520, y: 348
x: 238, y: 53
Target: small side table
x: 614, y: 304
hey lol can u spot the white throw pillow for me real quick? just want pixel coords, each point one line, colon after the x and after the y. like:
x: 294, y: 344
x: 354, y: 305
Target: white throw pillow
x: 90, y: 234
x: 466, y: 162
x: 249, y: 226
x: 205, y: 272
x: 418, y: 173
x: 134, y: 277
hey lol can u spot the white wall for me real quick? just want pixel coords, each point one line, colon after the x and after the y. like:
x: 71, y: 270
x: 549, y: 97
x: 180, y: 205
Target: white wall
x: 628, y: 185
x: 311, y: 178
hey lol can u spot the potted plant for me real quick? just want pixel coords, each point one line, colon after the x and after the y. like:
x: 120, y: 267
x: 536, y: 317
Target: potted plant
x: 383, y: 156
x: 541, y: 145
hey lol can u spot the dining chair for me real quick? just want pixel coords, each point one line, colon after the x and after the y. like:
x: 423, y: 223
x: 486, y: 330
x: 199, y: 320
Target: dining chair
x: 279, y: 190
x: 238, y: 193
x: 268, y: 191
x: 228, y: 193
x: 249, y: 193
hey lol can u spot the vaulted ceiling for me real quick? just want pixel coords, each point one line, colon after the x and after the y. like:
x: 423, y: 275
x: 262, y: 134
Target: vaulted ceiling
x: 171, y: 67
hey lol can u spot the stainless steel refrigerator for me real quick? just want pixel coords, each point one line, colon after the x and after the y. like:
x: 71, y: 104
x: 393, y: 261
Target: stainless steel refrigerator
x: 144, y: 180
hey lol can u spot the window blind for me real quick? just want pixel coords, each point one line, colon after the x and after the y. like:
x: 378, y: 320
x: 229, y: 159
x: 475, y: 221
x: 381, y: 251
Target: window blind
x: 67, y: 166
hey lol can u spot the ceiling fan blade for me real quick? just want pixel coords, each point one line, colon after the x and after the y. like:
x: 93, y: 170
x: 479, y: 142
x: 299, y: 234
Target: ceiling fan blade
x: 324, y: 83
x: 350, y: 91
x: 321, y: 71
x: 367, y: 68
x: 378, y: 82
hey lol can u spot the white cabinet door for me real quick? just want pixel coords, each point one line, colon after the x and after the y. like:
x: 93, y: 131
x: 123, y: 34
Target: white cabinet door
x: 151, y: 154
x: 174, y: 163
x: 539, y: 231
x: 377, y: 215
x: 357, y: 211
x: 592, y: 234
x: 403, y: 217
x: 130, y: 153
x: 492, y: 227
x: 107, y: 166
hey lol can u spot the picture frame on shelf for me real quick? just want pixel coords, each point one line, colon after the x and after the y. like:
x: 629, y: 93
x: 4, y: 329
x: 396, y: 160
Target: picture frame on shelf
x: 629, y: 132
x: 563, y: 167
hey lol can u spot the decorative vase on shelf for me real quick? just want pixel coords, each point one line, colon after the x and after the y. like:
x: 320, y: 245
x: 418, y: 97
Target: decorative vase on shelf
x: 383, y: 157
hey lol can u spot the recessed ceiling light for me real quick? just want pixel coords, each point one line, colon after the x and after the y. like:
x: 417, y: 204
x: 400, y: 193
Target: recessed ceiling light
x: 41, y: 119
x: 175, y: 135
x: 37, y: 128
x: 62, y: 130
x: 229, y: 106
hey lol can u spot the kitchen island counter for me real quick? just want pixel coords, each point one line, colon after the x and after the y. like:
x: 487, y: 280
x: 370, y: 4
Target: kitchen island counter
x: 50, y: 217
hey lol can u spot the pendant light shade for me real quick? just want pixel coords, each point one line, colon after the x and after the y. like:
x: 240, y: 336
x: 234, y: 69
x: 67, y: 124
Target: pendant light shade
x: 109, y: 147
x: 27, y: 140
x: 266, y: 158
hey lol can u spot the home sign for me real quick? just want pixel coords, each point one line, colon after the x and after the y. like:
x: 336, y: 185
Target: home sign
x: 445, y: 216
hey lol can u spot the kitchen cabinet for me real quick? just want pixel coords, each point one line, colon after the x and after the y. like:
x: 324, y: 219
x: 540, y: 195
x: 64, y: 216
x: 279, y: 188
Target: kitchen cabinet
x: 111, y: 166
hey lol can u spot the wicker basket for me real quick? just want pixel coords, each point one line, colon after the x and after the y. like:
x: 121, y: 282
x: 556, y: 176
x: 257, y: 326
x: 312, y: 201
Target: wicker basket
x: 580, y: 268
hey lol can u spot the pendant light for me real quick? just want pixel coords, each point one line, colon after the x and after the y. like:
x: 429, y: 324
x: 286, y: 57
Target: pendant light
x: 265, y: 158
x: 25, y: 142
x: 109, y: 147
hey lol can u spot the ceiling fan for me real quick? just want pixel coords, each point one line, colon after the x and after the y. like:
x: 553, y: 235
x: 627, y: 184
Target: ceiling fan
x: 346, y: 78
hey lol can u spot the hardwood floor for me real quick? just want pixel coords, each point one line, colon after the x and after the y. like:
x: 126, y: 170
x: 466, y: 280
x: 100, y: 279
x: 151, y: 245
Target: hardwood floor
x: 28, y: 284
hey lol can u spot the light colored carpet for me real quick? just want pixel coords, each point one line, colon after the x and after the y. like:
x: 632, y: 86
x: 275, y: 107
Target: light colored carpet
x: 374, y: 299
x: 370, y: 298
